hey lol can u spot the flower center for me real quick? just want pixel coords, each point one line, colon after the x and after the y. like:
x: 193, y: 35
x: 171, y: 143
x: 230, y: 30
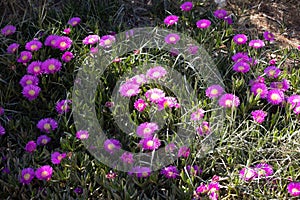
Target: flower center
x: 214, y: 91
x: 110, y: 146
x: 107, y: 42
x: 36, y: 69
x: 29, y: 82
x: 26, y: 176
x: 51, y: 67
x: 240, y: 40
x: 295, y: 190
x: 44, y: 141
x: 31, y: 92
x: 24, y: 57
x: 130, y: 92
x: 33, y: 47
x: 47, y: 126
x: 172, y: 39
x: 156, y: 74
x: 45, y: 174
x: 63, y: 44
x: 241, y: 68
x: 275, y: 97
x: 150, y: 143
x: 228, y: 102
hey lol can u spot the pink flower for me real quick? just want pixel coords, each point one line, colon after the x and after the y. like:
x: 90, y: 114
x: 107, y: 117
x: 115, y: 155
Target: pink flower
x: 248, y: 174
x: 294, y: 189
x: 51, y: 66
x: 150, y: 143
x: 56, y: 157
x: 140, y: 105
x: 8, y: 30
x: 154, y: 95
x: 25, y: 56
x: 172, y: 38
x: 127, y: 158
x: 275, y: 96
x: 170, y: 172
x: 129, y: 89
x: 106, y: 41
x: 63, y: 43
x: 146, y: 129
x: 35, y: 68
x: 63, y: 106
x: 256, y: 44
x: 156, y: 72
x: 82, y: 135
x: 204, y: 128
x: 31, y: 92
x: 272, y: 71
x: 240, y: 39
x: 186, y: 6
x: 214, y: 91
x: 33, y: 45
x: 241, y: 67
x: 112, y: 145
x: 74, y: 21
x: 67, y: 31
x: 27, y: 175
x: 91, y: 39
x: 30, y: 146
x: 197, y: 115
x: 12, y: 48
x: 203, y: 23
x: 47, y: 125
x: 229, y: 101
x: 263, y: 170
x: 259, y: 89
x: 67, y: 56
x: 44, y: 173
x: 170, y: 20
x: 183, y: 152
x: 259, y: 116
x: 220, y: 13
x: 269, y: 36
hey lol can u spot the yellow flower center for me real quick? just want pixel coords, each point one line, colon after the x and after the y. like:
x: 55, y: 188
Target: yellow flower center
x: 130, y: 92
x: 36, y: 69
x: 150, y: 143
x: 28, y: 82
x: 47, y: 126
x: 24, y: 57
x: 31, y: 92
x: 214, y: 91
x: 154, y: 96
x: 228, y: 102
x: 26, y: 176
x: 172, y: 39
x: 259, y: 90
x: 110, y: 146
x: 275, y: 97
x: 295, y: 190
x: 156, y: 74
x: 240, y: 39
x: 51, y: 67
x: 107, y: 42
x: 241, y: 68
x: 144, y: 174
x: 45, y: 173
x: 63, y: 44
x: 44, y: 141
x: 33, y: 47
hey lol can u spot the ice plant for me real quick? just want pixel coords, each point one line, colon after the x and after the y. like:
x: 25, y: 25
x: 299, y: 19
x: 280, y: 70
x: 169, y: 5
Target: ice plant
x: 29, y: 80
x: 47, y: 125
x: 167, y: 102
x: 43, y: 140
x: 259, y: 89
x: 269, y: 36
x: 51, y: 66
x: 63, y: 106
x: 82, y: 134
x: 263, y: 170
x: 272, y: 71
x: 156, y: 72
x: 241, y: 67
x: 106, y: 41
x: 240, y: 39
x: 63, y: 43
x: 183, y: 151
x: 275, y: 96
x: 220, y: 13
x: 154, y: 95
x: 248, y: 174
x: 256, y: 44
x: 283, y: 85
x: 56, y: 157
x: 203, y: 23
x: 67, y: 56
x: 25, y: 56
x: 229, y: 101
x: 67, y: 31
x: 91, y: 39
x: 186, y: 6
x: 51, y: 41
x: 33, y: 45
x: 203, y: 129
x: 240, y: 56
x: 74, y: 21
x: 197, y: 115
x: 35, y: 68
x: 31, y: 92
x: 44, y: 172
x: 8, y: 30
x: 170, y: 172
x: 259, y: 116
x: 27, y: 175
x: 193, y: 170
x: 129, y: 89
x: 294, y: 100
x: 127, y: 158
x: 294, y: 189
x: 112, y: 145
x: 12, y: 48
x: 150, y: 143
x: 140, y: 172
x: 30, y: 146
x: 138, y: 79
x: 172, y: 38
x: 146, y: 129
x: 140, y: 105
x: 170, y: 20
x: 2, y: 130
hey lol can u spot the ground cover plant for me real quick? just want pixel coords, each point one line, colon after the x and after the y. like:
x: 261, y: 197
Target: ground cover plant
x: 231, y: 92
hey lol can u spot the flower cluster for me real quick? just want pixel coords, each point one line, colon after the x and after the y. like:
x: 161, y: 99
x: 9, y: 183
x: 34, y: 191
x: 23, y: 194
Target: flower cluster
x: 42, y: 173
x: 260, y: 170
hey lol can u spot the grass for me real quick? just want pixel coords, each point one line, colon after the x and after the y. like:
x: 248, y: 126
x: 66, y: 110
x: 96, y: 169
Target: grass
x: 239, y: 143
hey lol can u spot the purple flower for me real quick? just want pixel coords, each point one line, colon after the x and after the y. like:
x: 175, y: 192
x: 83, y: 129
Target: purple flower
x: 172, y: 38
x: 27, y: 175
x: 275, y: 96
x: 220, y: 13
x: 154, y: 95
x: 25, y: 56
x: 112, y: 145
x: 63, y: 106
x: 63, y: 43
x: 174, y: 52
x: 2, y: 130
x: 33, y: 45
x: 193, y: 49
x: 106, y: 41
x: 138, y: 79
x: 47, y: 125
x: 78, y: 190
x: 183, y: 151
x: 12, y: 48
x: 44, y: 172
x: 186, y: 6
x: 1, y: 110
x: 272, y: 62
x: 268, y: 36
x: 259, y: 116
x: 259, y: 79
x: 170, y: 20
x: 201, y: 189
x: 283, y: 85
x: 294, y: 189
x: 140, y: 105
x: 35, y: 68
x: 67, y: 56
x: 263, y: 170
x: 156, y: 72
x: 197, y: 115
x: 67, y: 31
x: 51, y: 41
x: 56, y: 157
x: 259, y: 89
x: 170, y: 172
x: 127, y: 158
x: 203, y: 23
x: 272, y: 71
x: 294, y: 100
x: 51, y: 66
x: 248, y: 174
x: 213, y: 187
x: 242, y: 67
x: 30, y: 146
x: 31, y: 92
x: 109, y: 104
x: 74, y: 21
x: 29, y: 80
x: 228, y: 19
x: 214, y: 91
x: 240, y: 39
x: 256, y: 44
x: 91, y: 39
x: 203, y: 129
x: 170, y: 147
x: 43, y: 140
x: 240, y: 56
x: 229, y: 101
x: 150, y: 143
x: 146, y: 129
x: 129, y: 89
x: 193, y: 170
x: 82, y: 134
x: 140, y: 172
x: 8, y: 30
x: 167, y: 102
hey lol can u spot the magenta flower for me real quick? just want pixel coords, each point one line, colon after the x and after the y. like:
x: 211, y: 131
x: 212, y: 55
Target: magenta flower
x: 241, y: 67
x: 294, y: 189
x: 259, y: 79
x: 140, y: 172
x: 47, y: 125
x: 193, y: 170
x: 30, y: 146
x: 154, y: 95
x: 183, y: 151
x: 275, y: 96
x: 259, y: 89
x: 127, y: 158
x: 91, y: 39
x: 213, y: 187
x: 193, y: 49
x: 170, y: 147
x: 259, y: 116
x: 74, y: 21
x: 204, y: 129
x: 44, y: 172
x: 203, y: 23
x: 27, y: 175
x: 167, y: 102
x: 146, y: 129
x: 2, y: 130
x: 170, y: 172
x: 129, y: 89
x: 31, y: 92
x: 112, y: 145
x: 283, y: 85
x: 172, y: 38
x: 197, y: 115
x: 35, y: 68
x: 63, y: 106
x: 202, y: 189
x: 82, y: 134
x: 229, y: 101
x: 94, y: 50
x: 140, y: 105
x: 33, y: 45
x: 174, y: 52
x: 63, y: 43
x: 29, y: 80
x: 272, y: 71
x: 8, y: 30
x: 56, y: 157
x: 67, y: 56
x: 138, y: 79
x: 150, y: 143
x: 240, y: 39
x: 220, y: 13
x: 256, y: 44
x: 228, y: 20
x: 248, y: 174
x: 170, y: 20
x: 12, y: 48
x: 294, y: 100
x: 272, y: 62
x: 43, y: 140
x: 51, y: 41
x: 186, y: 6
x: 25, y: 56
x: 263, y: 170
x: 106, y: 41
x: 214, y: 91
x: 269, y: 36
x: 51, y: 66
x: 109, y: 104
x: 156, y: 72
x: 67, y: 31
x: 240, y: 56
